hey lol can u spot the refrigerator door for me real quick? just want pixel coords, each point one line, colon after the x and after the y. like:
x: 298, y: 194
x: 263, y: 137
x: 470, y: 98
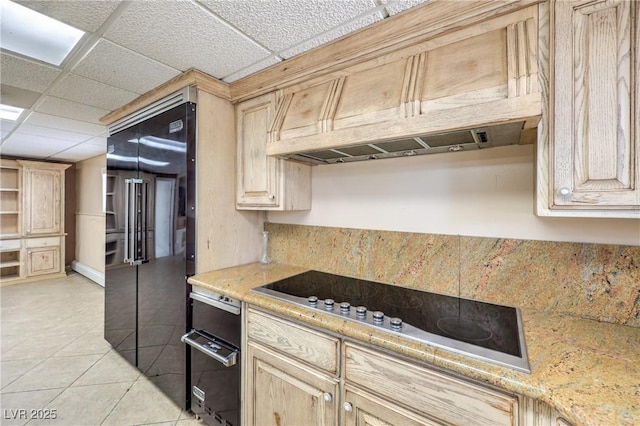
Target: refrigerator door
x: 161, y: 280
x: 120, y: 320
x: 145, y: 290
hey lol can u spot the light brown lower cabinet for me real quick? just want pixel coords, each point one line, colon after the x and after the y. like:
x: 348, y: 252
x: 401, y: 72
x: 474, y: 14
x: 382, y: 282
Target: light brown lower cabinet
x: 296, y: 375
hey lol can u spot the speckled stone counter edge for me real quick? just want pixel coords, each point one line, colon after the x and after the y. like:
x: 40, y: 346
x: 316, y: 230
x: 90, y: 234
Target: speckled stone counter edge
x: 585, y: 369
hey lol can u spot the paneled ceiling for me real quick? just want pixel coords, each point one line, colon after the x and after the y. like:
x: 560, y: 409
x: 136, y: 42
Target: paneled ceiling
x: 130, y: 47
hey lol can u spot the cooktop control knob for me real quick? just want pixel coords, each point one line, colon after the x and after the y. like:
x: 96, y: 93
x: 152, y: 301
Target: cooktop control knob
x: 328, y: 304
x: 361, y: 312
x: 345, y: 307
x: 378, y: 317
x: 396, y: 323
x: 313, y: 301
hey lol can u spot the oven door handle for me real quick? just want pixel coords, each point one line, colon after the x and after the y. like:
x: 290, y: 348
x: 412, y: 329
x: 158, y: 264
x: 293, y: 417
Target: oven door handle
x: 228, y: 361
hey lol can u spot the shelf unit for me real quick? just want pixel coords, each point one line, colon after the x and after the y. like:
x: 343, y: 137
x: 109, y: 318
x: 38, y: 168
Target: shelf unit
x: 10, y: 186
x: 110, y: 208
x: 32, y: 237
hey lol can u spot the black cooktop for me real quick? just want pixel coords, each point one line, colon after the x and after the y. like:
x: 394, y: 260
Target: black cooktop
x: 488, y: 331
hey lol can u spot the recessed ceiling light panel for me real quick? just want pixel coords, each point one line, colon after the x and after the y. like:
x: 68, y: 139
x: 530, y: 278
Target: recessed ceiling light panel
x: 35, y: 35
x: 9, y: 112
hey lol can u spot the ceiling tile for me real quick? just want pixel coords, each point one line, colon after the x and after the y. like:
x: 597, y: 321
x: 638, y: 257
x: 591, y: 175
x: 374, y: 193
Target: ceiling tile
x: 86, y: 15
x: 17, y: 97
x: 397, y: 6
x: 281, y: 24
x: 33, y: 146
x: 271, y: 60
x: 63, y: 108
x: 47, y: 132
x: 98, y: 140
x: 183, y: 35
x: 332, y: 35
x: 26, y: 74
x: 116, y: 66
x: 6, y: 126
x: 53, y: 122
x: 86, y: 91
x: 79, y: 152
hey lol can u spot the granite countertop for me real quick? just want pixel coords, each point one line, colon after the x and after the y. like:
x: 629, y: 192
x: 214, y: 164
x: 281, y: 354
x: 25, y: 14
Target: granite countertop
x: 587, y: 370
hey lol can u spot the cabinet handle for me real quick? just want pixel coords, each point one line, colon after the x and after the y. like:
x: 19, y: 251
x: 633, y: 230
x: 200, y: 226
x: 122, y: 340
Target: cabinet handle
x: 327, y: 397
x: 272, y: 197
x: 564, y: 191
x: 347, y: 407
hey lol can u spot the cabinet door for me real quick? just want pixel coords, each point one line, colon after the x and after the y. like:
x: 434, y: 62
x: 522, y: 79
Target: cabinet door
x: 594, y: 149
x: 364, y: 409
x: 286, y: 393
x: 258, y: 175
x: 43, y: 260
x: 43, y: 192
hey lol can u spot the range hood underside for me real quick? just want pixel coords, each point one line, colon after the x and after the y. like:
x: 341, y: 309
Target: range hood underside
x: 462, y: 140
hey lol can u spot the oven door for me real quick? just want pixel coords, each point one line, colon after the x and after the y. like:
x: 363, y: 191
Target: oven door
x: 215, y: 360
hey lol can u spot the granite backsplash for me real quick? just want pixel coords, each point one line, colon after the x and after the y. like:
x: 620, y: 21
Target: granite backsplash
x: 594, y: 281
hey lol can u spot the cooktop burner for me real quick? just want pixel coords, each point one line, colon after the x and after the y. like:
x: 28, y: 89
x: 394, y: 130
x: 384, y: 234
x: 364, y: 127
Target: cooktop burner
x: 482, y: 330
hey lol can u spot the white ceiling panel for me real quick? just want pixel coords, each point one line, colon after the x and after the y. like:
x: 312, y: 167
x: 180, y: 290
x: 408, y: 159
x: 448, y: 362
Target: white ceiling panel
x: 6, y: 126
x: 33, y: 146
x: 116, y: 66
x: 279, y: 24
x: 79, y: 152
x: 86, y: 15
x: 86, y: 91
x: 30, y: 129
x: 182, y: 35
x: 63, y: 108
x: 332, y: 35
x: 98, y: 140
x: 397, y: 6
x: 26, y: 74
x: 265, y: 63
x: 53, y: 122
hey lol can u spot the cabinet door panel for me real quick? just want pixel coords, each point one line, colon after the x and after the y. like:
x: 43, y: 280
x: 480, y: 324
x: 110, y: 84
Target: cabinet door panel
x: 286, y: 393
x: 42, y: 201
x: 595, y: 153
x: 44, y: 260
x: 369, y: 410
x: 258, y: 174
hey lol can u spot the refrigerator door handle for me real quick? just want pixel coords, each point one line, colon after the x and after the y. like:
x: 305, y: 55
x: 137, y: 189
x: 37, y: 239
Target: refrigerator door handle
x: 144, y: 188
x: 131, y: 225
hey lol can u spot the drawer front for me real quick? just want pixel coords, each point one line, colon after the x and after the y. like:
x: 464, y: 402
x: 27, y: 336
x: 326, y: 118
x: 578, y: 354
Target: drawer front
x: 435, y: 394
x: 9, y: 245
x: 43, y: 242
x: 307, y: 345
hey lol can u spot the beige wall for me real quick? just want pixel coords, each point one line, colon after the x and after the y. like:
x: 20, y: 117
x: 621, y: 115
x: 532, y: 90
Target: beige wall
x: 90, y: 219
x: 485, y: 193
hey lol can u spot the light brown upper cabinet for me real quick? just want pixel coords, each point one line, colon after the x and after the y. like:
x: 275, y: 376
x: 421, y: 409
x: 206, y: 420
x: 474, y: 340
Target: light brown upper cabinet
x: 263, y: 182
x: 485, y: 73
x: 589, y: 150
x: 43, y: 197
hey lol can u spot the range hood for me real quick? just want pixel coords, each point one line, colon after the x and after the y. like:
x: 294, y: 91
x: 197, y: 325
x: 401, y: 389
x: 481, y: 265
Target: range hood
x: 460, y: 140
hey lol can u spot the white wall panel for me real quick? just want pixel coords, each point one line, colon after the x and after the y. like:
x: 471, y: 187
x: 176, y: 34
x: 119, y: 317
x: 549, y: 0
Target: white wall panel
x: 487, y: 193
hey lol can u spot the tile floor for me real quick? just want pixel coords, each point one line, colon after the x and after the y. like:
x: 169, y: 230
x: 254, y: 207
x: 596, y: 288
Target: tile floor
x: 54, y: 359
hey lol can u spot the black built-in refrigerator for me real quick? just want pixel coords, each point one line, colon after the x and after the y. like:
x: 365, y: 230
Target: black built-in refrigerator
x: 150, y: 245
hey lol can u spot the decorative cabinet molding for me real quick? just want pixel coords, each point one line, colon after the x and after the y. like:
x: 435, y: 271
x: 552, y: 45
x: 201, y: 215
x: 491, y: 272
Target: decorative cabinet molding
x: 33, y: 236
x: 479, y: 75
x: 589, y: 154
x: 315, y: 378
x: 263, y: 182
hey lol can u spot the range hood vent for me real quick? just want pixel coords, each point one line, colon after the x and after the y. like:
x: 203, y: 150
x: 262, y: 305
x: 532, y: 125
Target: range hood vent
x: 462, y: 140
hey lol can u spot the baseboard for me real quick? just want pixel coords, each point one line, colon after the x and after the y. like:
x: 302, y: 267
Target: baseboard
x: 89, y: 272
